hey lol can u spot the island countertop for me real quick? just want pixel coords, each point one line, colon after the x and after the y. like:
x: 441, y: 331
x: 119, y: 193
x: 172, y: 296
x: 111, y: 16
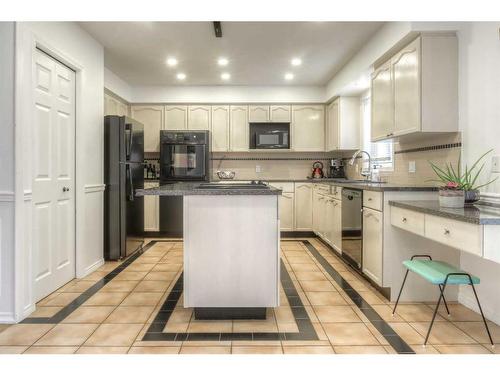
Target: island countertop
x: 477, y: 214
x: 193, y: 188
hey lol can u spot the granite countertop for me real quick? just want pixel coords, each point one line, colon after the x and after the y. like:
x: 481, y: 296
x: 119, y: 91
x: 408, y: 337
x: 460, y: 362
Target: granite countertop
x: 477, y: 214
x: 373, y: 186
x: 192, y: 188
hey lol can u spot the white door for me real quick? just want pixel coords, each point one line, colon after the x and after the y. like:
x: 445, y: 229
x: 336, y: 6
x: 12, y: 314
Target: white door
x: 53, y: 175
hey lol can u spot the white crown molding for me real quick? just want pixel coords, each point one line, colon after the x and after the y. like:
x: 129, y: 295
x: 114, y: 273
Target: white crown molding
x: 6, y: 196
x: 94, y: 188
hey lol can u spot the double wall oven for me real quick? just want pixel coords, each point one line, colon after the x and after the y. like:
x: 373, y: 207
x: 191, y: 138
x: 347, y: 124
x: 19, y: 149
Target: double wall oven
x: 184, y: 157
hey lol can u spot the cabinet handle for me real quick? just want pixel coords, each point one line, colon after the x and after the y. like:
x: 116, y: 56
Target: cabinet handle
x: 446, y: 231
x: 369, y: 199
x: 404, y: 220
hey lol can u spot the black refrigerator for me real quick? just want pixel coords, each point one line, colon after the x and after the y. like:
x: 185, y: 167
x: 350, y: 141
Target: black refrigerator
x: 123, y: 174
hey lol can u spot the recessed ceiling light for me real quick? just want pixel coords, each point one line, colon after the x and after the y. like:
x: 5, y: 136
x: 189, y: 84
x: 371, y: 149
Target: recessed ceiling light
x: 172, y: 61
x: 289, y: 76
x: 222, y: 61
x: 225, y: 76
x: 296, y: 61
x: 181, y: 76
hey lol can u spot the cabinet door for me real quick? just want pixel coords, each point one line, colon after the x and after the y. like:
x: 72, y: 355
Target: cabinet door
x: 337, y: 226
x: 199, y: 117
x: 110, y: 105
x: 382, y: 103
x: 151, y: 210
x: 329, y: 219
x: 303, y: 206
x: 220, y: 128
x: 176, y: 117
x: 258, y: 113
x: 308, y: 128
x: 238, y: 128
x: 152, y: 119
x: 406, y: 73
x: 372, y: 244
x: 286, y: 211
x: 280, y: 113
x: 122, y: 109
x: 332, y: 127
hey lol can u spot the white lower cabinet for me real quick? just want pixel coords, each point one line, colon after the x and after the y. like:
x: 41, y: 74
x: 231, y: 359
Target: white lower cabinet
x: 303, y: 206
x: 151, y: 209
x: 373, y: 244
x: 286, y: 206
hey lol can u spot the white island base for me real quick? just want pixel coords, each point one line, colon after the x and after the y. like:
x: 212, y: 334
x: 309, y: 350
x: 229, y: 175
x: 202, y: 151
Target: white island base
x: 231, y: 255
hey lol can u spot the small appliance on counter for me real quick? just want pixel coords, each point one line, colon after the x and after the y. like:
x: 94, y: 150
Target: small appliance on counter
x: 317, y: 170
x: 337, y: 169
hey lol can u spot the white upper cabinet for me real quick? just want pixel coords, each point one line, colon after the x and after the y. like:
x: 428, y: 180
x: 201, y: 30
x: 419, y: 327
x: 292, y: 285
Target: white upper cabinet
x: 199, y: 117
x: 342, y: 124
x: 220, y: 128
x: 176, y: 117
x: 308, y: 128
x: 113, y: 106
x: 258, y: 113
x: 382, y: 108
x: 151, y: 116
x: 238, y: 128
x: 416, y: 90
x: 280, y: 113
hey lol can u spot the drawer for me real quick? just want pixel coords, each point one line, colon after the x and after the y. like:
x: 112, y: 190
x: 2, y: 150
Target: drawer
x: 322, y: 188
x: 464, y: 236
x: 336, y: 191
x: 286, y: 187
x: 411, y: 221
x: 373, y: 199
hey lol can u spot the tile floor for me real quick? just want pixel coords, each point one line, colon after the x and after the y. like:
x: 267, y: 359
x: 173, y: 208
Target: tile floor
x: 116, y: 318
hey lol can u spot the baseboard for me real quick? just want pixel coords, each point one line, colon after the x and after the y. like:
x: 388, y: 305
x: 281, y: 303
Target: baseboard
x: 298, y: 234
x: 87, y: 271
x: 7, y: 318
x: 470, y: 302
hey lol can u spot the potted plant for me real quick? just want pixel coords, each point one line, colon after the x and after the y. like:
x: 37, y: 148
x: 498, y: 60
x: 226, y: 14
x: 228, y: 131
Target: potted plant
x: 459, y: 188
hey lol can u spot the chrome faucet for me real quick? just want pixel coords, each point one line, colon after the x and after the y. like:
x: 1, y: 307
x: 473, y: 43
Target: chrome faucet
x: 365, y: 173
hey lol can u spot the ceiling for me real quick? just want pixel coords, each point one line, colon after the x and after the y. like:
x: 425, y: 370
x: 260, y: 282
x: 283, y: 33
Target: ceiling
x: 259, y: 53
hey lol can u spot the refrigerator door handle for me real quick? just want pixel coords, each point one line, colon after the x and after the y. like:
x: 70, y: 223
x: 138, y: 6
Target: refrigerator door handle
x: 128, y: 142
x: 131, y: 183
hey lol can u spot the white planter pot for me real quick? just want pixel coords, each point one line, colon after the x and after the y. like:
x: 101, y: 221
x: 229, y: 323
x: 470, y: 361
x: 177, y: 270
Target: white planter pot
x: 451, y: 199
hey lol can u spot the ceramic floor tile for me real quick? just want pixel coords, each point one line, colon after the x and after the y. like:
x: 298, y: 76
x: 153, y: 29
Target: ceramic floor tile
x: 23, y: 334
x: 12, y: 349
x: 460, y: 313
x: 420, y: 349
x: 317, y: 286
x: 210, y: 326
x: 360, y: 349
x: 305, y: 267
x: 106, y: 299
x: 67, y: 335
x: 140, y: 267
x: 130, y: 314
x: 407, y: 333
x: 336, y: 314
x: 51, y: 350
x: 95, y: 276
x: 152, y: 286
x: 61, y: 299
x: 78, y: 287
x: 255, y: 326
x: 416, y: 313
x: 257, y: 349
x: 130, y: 276
x: 310, y: 276
x: 142, y: 299
x: 114, y: 335
x: 154, y: 350
x: 205, y: 350
x: 461, y: 349
x: 325, y: 298
x: 478, y: 332
x: 167, y: 267
x: 443, y: 333
x: 308, y: 350
x: 102, y: 350
x: 119, y: 286
x: 349, y: 334
x: 160, y: 276
x: 45, y: 311
x: 89, y: 314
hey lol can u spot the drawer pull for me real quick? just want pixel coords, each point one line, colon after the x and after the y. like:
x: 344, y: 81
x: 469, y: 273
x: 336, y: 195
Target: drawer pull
x: 369, y: 199
x: 404, y: 220
x: 446, y: 231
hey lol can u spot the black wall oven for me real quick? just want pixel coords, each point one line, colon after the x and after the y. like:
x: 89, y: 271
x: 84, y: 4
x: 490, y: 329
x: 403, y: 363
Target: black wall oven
x: 272, y: 135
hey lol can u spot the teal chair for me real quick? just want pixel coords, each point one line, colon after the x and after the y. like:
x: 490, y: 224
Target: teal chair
x: 440, y: 274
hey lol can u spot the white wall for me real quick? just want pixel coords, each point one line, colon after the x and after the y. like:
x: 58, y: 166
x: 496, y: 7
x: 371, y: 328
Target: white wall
x: 6, y: 171
x: 228, y: 94
x: 72, y: 45
x: 117, y: 85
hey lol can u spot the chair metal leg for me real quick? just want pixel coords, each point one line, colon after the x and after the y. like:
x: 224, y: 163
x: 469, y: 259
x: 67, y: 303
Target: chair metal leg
x: 400, y: 291
x: 441, y: 288
x: 445, y: 304
x: 482, y: 315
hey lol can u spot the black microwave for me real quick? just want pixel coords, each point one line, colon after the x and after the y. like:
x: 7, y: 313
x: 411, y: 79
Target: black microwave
x: 269, y: 135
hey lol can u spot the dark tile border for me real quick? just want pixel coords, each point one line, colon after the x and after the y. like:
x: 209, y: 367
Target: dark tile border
x: 397, y: 343
x: 81, y: 299
x: 429, y: 148
x: 304, y: 324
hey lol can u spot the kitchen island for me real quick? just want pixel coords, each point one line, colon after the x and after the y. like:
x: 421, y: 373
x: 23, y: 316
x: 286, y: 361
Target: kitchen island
x: 231, y: 247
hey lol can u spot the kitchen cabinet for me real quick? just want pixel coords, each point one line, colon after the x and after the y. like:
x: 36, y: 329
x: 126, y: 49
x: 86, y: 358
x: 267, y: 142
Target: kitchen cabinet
x: 238, y: 128
x: 258, y: 113
x: 319, y: 214
x: 199, y: 117
x: 342, y: 124
x: 151, y: 116
x: 415, y: 92
x: 286, y: 209
x: 280, y: 113
x: 113, y: 106
x: 220, y: 128
x: 333, y: 225
x: 176, y: 117
x: 308, y: 128
x: 151, y: 209
x: 373, y: 244
x: 303, y: 206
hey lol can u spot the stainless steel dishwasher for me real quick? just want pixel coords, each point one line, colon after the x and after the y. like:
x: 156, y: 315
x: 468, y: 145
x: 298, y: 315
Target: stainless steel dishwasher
x: 352, y: 226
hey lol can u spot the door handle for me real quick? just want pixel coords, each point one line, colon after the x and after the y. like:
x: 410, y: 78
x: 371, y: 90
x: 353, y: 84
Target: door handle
x: 65, y: 189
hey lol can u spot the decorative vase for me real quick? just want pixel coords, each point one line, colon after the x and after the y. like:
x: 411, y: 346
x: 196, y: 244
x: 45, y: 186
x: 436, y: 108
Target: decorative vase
x: 471, y: 196
x: 451, y: 198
